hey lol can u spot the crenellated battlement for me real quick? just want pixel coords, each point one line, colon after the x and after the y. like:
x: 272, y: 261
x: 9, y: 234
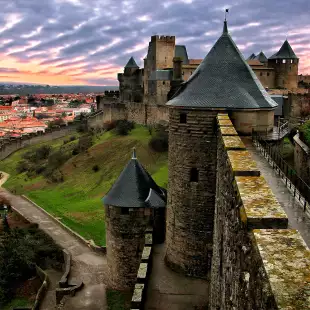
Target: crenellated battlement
x: 163, y: 38
x: 255, y: 253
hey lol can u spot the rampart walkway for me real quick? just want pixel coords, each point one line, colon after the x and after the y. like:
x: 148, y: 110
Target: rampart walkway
x: 294, y: 210
x: 87, y: 265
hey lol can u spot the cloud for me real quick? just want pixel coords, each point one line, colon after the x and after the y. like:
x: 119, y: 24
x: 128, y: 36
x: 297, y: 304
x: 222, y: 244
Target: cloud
x: 89, y: 41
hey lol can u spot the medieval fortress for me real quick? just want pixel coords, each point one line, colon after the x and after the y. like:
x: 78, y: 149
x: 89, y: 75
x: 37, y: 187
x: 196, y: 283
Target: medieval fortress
x: 219, y: 220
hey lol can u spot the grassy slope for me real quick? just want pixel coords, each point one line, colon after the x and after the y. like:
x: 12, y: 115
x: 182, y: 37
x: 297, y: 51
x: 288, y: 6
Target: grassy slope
x: 304, y: 131
x: 77, y: 201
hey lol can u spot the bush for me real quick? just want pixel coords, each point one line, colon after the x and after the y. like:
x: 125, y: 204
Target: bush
x: 75, y: 151
x: 81, y: 128
x: 85, y: 143
x: 22, y: 166
x: 159, y: 142
x: 72, y: 138
x: 56, y: 176
x: 43, y: 152
x: 96, y: 168
x: 123, y: 127
x: 39, y: 169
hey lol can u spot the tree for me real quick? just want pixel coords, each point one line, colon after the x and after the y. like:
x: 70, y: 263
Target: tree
x: 5, y: 224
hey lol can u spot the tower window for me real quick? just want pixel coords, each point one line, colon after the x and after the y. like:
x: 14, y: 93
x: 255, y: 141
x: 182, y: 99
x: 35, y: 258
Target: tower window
x: 183, y: 73
x: 276, y: 61
x: 268, y: 73
x: 164, y: 82
x: 292, y: 61
x: 283, y: 61
x: 124, y: 211
x: 261, y: 74
x: 183, y: 118
x: 194, y: 175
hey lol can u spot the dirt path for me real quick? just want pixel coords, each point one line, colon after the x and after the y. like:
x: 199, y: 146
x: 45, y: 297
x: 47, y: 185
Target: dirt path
x: 87, y: 265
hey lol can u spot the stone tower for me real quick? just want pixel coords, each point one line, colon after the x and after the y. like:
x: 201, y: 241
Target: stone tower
x: 285, y: 64
x: 222, y: 82
x: 129, y: 208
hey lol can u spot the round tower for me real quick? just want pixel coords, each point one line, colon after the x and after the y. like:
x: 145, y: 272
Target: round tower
x: 222, y: 82
x: 128, y: 208
x: 285, y: 64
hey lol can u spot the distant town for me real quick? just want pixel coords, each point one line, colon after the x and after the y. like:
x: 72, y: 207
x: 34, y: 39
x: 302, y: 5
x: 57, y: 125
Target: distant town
x: 23, y: 115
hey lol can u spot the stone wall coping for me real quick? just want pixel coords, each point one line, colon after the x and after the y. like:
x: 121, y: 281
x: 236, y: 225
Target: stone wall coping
x: 225, y: 122
x: 242, y: 163
x: 233, y: 143
x: 305, y: 147
x: 260, y: 206
x: 286, y: 260
x: 69, y: 230
x: 63, y: 282
x: 42, y: 290
x: 228, y: 131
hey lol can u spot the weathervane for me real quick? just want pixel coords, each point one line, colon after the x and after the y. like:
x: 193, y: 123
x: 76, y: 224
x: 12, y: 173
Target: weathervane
x: 226, y: 11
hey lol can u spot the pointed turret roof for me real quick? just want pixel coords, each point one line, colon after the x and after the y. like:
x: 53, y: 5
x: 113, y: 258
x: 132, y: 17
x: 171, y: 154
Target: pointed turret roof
x: 135, y: 188
x: 223, y: 80
x: 131, y: 63
x: 284, y: 52
x: 261, y: 57
x: 252, y: 56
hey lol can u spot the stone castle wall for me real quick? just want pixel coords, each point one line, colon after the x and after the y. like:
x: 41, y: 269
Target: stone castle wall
x: 258, y: 263
x: 10, y: 146
x: 125, y: 235
x: 191, y: 200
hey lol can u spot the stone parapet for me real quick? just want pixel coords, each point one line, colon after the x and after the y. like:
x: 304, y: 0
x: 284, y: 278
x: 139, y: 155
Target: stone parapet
x: 257, y: 263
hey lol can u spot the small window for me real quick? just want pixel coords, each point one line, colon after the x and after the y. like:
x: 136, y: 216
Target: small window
x: 284, y: 61
x: 276, y: 61
x: 292, y: 61
x: 164, y: 82
x: 261, y: 74
x: 125, y: 211
x: 183, y: 118
x: 194, y: 175
x: 268, y: 73
x: 183, y: 73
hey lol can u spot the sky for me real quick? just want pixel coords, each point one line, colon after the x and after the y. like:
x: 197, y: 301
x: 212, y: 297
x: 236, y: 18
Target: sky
x: 86, y: 42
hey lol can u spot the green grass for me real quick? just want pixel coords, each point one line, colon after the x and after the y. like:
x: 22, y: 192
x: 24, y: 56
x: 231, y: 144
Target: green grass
x: 117, y: 300
x: 304, y: 132
x: 17, y: 302
x: 77, y: 201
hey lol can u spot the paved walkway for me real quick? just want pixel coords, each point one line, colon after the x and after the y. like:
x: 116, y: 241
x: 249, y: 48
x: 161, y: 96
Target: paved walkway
x: 87, y: 265
x: 294, y: 210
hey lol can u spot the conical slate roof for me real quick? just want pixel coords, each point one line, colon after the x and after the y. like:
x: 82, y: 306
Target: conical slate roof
x: 134, y: 188
x: 131, y: 63
x: 252, y: 56
x: 223, y: 80
x: 284, y: 52
x: 261, y: 57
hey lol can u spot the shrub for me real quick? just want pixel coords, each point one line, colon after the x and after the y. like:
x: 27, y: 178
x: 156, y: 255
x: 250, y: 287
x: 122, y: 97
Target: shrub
x: 304, y: 132
x: 123, y: 127
x: 159, y: 142
x: 75, y: 151
x: 56, y: 159
x: 96, y: 168
x: 22, y: 166
x: 85, y: 143
x: 40, y: 168
x: 66, y: 141
x: 56, y: 176
x: 72, y: 138
x: 43, y: 152
x: 81, y: 128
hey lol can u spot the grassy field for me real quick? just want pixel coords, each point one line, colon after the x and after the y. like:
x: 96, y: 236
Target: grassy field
x: 77, y: 201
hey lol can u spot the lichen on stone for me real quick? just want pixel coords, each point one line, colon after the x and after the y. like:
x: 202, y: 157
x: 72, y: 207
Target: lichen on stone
x: 286, y: 260
x: 241, y: 161
x: 233, y: 142
x: 228, y: 131
x: 225, y: 122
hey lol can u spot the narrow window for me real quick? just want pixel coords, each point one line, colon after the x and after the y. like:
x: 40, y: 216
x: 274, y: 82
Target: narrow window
x: 194, y: 175
x: 268, y: 73
x: 292, y: 61
x: 164, y: 82
x: 276, y: 61
x: 284, y: 61
x: 261, y: 74
x: 125, y: 211
x: 183, y: 73
x: 183, y: 118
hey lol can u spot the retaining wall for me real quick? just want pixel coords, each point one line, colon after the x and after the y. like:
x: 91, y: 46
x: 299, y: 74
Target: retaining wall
x: 302, y: 159
x: 258, y: 263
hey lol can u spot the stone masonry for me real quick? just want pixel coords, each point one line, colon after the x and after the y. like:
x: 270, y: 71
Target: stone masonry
x: 190, y: 210
x: 257, y: 262
x: 125, y: 231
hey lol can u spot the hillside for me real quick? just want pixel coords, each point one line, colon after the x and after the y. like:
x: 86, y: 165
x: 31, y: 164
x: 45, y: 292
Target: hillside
x: 77, y: 200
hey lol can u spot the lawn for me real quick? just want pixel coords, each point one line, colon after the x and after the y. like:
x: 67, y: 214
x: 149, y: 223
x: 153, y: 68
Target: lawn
x: 77, y: 201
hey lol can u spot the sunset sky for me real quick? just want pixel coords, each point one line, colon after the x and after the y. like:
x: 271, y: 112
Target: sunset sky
x: 73, y: 42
